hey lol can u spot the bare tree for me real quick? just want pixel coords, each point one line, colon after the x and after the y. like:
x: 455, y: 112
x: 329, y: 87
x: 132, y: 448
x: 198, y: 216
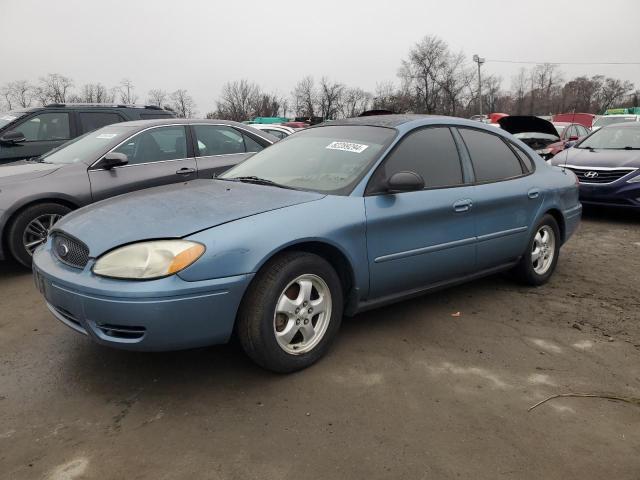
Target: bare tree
x: 237, y: 100
x: 157, y: 96
x: 95, y: 93
x: 182, y: 104
x: 127, y: 92
x: 21, y: 93
x: 305, y: 97
x: 5, y: 91
x: 53, y: 88
x: 612, y: 92
x: 330, y: 98
x: 354, y: 102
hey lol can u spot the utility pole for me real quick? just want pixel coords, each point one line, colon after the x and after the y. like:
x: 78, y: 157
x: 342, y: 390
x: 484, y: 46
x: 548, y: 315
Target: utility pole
x: 479, y: 61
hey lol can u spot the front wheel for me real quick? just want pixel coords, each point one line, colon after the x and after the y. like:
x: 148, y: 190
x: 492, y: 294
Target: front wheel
x: 30, y: 228
x: 291, y: 312
x: 539, y: 261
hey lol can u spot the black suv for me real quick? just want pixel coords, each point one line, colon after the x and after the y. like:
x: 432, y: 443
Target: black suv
x: 31, y: 132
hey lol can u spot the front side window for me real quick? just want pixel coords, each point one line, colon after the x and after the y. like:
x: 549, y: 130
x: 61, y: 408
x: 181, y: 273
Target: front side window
x: 93, y: 120
x: 330, y: 159
x: 45, y: 127
x: 276, y: 133
x: 430, y: 152
x: 156, y: 144
x: 492, y: 159
x: 218, y: 140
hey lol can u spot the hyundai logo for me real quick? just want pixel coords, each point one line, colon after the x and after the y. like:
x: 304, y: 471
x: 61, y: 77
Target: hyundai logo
x: 63, y: 250
x: 591, y: 174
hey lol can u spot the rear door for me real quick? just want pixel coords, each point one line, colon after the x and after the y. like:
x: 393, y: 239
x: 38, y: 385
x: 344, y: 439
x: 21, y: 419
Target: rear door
x: 506, y: 197
x: 219, y: 147
x: 157, y: 156
x: 43, y: 131
x: 422, y: 238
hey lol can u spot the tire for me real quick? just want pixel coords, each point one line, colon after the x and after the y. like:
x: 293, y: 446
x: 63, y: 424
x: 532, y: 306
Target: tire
x: 22, y: 230
x: 264, y: 333
x: 530, y: 271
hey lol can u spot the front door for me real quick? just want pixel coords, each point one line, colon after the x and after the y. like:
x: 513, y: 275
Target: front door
x: 418, y: 239
x: 157, y: 156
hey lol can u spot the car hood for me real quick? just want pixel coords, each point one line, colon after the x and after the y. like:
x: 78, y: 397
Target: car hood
x: 582, y: 157
x: 18, y: 171
x: 527, y: 123
x: 173, y: 211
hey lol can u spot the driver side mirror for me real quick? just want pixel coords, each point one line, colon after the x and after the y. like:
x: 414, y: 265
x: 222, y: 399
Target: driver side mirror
x: 405, y: 182
x: 12, y: 137
x: 113, y: 159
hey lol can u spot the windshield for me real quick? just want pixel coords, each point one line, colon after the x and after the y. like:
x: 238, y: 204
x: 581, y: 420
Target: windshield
x: 89, y: 147
x: 613, y: 138
x: 8, y: 117
x: 328, y: 159
x: 602, y: 121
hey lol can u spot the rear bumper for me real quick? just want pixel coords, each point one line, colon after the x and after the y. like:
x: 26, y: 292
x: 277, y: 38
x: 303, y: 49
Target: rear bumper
x: 156, y: 315
x: 617, y: 194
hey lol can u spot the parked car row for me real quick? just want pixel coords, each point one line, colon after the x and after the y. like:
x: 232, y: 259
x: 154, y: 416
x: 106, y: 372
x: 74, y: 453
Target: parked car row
x: 116, y: 159
x: 335, y: 219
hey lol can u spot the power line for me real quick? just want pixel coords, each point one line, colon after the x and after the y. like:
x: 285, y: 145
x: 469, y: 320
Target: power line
x: 562, y: 63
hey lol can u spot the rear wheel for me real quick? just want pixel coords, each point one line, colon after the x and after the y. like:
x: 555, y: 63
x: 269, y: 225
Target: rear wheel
x: 291, y: 312
x: 539, y: 261
x: 30, y: 228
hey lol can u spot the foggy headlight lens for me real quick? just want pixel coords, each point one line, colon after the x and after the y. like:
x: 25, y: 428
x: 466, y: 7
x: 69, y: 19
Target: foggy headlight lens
x: 544, y: 151
x: 148, y: 260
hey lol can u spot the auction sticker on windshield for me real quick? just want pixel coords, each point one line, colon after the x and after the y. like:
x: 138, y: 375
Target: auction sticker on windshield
x: 347, y: 147
x: 107, y: 135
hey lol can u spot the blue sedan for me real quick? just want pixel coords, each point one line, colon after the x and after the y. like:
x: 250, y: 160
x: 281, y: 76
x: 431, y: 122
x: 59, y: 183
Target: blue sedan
x: 331, y: 221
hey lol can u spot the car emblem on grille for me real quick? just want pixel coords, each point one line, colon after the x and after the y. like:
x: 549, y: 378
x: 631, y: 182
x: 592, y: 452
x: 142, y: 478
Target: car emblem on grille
x: 63, y: 250
x: 591, y: 174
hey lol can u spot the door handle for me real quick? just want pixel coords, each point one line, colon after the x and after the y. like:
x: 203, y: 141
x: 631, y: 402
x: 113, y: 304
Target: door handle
x: 533, y: 193
x: 462, y: 205
x: 186, y: 171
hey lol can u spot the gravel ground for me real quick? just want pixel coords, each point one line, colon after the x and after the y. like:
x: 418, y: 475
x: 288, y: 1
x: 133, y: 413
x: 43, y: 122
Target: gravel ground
x: 413, y: 390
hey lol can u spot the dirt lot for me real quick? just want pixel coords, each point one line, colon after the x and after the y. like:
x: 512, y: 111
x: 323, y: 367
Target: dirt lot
x: 409, y: 391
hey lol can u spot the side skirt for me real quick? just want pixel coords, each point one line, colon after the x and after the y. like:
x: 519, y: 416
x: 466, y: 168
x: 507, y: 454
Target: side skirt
x: 397, y: 297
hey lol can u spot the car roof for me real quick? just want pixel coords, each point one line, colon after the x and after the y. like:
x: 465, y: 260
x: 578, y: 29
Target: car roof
x: 623, y: 125
x: 391, y: 121
x: 185, y: 121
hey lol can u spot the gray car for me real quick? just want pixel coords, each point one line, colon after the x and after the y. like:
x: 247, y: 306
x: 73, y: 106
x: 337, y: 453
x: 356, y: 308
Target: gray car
x: 110, y: 161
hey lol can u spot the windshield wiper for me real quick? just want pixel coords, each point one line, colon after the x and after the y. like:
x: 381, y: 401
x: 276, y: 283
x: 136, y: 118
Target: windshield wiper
x: 629, y: 147
x: 257, y: 181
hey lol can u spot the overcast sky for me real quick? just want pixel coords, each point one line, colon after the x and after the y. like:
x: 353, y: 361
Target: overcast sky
x: 201, y: 44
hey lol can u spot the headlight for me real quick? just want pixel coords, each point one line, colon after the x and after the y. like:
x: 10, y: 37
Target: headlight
x: 148, y: 260
x: 544, y: 151
x: 635, y: 179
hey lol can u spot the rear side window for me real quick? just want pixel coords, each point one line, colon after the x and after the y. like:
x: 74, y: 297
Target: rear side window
x: 430, y: 152
x: 492, y: 159
x: 526, y: 161
x: 93, y: 120
x: 251, y: 144
x: 218, y: 140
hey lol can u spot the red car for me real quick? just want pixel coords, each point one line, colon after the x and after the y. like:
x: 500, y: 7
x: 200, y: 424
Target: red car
x: 569, y: 132
x: 584, y: 119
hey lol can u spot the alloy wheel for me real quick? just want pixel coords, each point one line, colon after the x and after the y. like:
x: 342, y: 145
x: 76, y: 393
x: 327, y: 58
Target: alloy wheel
x: 302, y: 314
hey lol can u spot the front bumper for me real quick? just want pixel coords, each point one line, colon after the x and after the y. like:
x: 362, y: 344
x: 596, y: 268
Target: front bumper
x: 618, y: 194
x: 156, y: 315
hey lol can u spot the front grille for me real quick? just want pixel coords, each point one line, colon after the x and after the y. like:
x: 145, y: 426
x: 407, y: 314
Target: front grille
x: 70, y: 251
x: 599, y: 175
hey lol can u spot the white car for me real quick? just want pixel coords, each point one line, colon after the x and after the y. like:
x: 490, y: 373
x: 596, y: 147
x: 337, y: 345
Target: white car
x: 278, y: 131
x: 605, y: 120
